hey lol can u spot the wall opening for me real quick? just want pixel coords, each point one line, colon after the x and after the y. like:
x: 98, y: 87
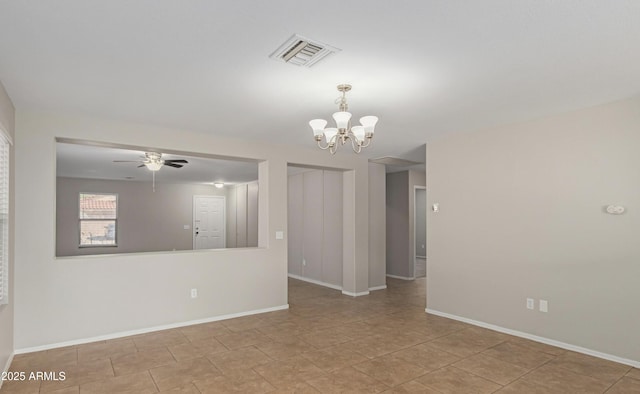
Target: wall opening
x: 155, y: 192
x: 420, y: 231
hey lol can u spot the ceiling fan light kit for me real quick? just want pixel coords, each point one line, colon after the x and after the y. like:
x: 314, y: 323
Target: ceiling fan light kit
x: 334, y: 137
x: 154, y: 162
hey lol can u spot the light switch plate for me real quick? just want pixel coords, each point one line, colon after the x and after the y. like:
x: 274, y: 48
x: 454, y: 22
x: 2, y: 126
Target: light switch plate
x: 544, y: 306
x: 279, y: 234
x: 530, y: 303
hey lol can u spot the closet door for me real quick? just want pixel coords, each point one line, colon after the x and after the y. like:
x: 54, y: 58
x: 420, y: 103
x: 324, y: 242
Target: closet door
x: 332, y: 228
x: 241, y: 216
x: 312, y: 229
x: 252, y: 214
x: 295, y: 220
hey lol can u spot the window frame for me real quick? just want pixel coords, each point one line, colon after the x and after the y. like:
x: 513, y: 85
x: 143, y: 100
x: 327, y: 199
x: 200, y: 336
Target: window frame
x: 81, y: 220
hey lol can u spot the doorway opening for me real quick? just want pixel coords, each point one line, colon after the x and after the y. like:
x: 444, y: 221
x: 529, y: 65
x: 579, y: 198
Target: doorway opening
x: 420, y: 232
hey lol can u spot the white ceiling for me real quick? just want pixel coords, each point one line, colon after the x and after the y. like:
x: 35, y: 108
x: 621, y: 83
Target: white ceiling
x: 425, y: 67
x: 96, y: 162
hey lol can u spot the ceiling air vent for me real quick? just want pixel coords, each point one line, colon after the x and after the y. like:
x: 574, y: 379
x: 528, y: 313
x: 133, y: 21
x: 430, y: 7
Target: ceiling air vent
x: 301, y: 51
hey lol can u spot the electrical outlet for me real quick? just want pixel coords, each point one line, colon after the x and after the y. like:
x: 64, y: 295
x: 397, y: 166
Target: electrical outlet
x: 194, y: 293
x: 530, y: 303
x: 544, y: 306
x: 304, y: 262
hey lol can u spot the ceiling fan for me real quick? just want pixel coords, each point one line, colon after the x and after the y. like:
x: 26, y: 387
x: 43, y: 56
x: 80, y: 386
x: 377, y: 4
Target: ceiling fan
x: 153, y: 161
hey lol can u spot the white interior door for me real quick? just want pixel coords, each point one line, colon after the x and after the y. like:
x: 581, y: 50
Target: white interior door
x: 208, y: 222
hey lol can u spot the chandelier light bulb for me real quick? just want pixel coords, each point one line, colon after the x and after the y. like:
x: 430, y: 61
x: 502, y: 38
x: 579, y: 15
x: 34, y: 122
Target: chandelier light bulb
x: 369, y: 123
x: 329, y: 133
x: 358, y: 132
x: 318, y: 126
x: 342, y: 119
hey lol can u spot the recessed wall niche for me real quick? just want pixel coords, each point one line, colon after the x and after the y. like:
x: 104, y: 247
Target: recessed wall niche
x: 123, y: 199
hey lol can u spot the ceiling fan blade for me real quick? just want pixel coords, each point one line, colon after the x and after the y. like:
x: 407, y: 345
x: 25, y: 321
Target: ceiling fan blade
x: 141, y: 165
x: 176, y: 161
x: 173, y: 165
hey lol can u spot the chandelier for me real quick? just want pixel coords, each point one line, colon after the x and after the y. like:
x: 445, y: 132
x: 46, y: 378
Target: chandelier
x: 334, y: 137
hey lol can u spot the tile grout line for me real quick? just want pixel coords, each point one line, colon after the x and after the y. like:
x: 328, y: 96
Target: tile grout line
x: 153, y: 379
x: 481, y: 377
x: 581, y: 374
x: 616, y: 382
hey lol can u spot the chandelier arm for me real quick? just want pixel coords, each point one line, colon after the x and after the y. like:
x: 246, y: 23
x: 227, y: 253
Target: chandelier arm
x: 353, y: 138
x: 332, y: 144
x: 367, y: 143
x: 322, y: 147
x: 355, y: 145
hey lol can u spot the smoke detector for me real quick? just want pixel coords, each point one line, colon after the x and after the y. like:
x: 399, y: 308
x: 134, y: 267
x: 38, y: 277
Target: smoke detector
x: 302, y: 51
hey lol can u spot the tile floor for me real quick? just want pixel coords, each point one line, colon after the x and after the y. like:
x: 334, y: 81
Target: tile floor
x: 330, y: 343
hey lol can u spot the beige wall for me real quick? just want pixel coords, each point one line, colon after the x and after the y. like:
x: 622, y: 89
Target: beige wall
x: 522, y: 215
x: 85, y: 297
x: 148, y: 221
x: 7, y: 311
x: 377, y: 226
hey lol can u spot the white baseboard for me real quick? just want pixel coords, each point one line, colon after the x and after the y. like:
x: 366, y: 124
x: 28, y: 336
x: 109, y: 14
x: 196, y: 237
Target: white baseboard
x: 374, y: 288
x: 148, y: 329
x: 315, y: 282
x: 350, y: 294
x: 536, y: 338
x: 6, y: 367
x: 400, y: 277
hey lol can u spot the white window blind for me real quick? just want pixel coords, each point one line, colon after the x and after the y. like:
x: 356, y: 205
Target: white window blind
x: 4, y: 219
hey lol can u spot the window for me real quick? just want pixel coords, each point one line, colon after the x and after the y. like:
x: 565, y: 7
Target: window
x: 4, y: 218
x: 98, y: 219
